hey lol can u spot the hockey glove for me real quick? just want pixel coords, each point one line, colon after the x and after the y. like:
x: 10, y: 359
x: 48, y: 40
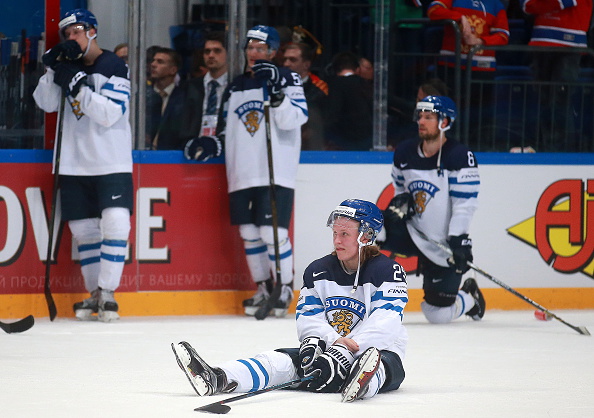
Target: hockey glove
x: 203, y: 148
x: 65, y: 51
x: 70, y: 77
x: 268, y: 72
x: 461, y: 253
x: 403, y: 205
x: 311, y: 348
x: 332, y: 368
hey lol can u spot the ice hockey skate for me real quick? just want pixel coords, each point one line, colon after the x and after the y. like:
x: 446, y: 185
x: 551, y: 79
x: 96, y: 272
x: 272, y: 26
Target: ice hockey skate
x: 252, y: 304
x: 84, y: 310
x: 361, y: 373
x: 108, y: 307
x: 284, y: 301
x: 470, y: 286
x: 204, y: 379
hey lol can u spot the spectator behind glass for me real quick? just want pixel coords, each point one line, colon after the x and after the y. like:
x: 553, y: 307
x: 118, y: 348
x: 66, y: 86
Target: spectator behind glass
x: 164, y: 102
x: 298, y: 57
x: 121, y: 50
x: 204, y: 93
x: 365, y: 70
x: 349, y: 121
x: 558, y: 24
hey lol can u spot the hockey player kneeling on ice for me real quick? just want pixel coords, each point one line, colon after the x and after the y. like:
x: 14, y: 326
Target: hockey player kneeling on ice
x: 349, y: 322
x: 436, y: 183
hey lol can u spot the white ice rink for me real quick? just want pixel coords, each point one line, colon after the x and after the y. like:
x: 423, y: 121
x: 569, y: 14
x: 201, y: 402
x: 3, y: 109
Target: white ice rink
x: 508, y: 365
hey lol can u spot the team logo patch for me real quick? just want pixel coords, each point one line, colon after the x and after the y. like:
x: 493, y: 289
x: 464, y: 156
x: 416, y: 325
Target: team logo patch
x: 75, y: 104
x: 422, y: 192
x: 251, y: 114
x: 343, y: 314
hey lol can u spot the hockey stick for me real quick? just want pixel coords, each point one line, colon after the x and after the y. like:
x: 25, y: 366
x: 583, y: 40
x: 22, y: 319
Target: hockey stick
x: 221, y: 408
x: 264, y: 310
x: 18, y: 326
x: 580, y: 329
x: 51, y: 304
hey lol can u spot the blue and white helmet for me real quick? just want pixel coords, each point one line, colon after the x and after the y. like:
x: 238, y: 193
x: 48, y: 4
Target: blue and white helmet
x: 266, y: 34
x: 368, y: 215
x: 442, y: 105
x: 81, y: 16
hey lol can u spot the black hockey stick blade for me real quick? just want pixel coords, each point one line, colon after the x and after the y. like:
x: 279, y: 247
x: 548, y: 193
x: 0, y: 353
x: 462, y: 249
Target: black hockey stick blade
x: 220, y: 407
x: 18, y: 326
x: 264, y: 310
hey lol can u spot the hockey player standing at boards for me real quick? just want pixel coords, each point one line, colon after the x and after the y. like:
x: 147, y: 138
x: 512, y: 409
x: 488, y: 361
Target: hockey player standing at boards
x: 436, y: 183
x: 95, y: 172
x: 241, y: 128
x: 349, y: 322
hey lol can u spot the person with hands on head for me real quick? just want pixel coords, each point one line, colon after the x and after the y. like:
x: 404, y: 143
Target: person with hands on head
x: 349, y: 322
x: 241, y: 130
x: 95, y: 172
x: 436, y: 183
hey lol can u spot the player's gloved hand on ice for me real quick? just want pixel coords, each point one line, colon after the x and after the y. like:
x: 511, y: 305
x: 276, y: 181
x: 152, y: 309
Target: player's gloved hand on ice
x: 333, y: 367
x: 268, y: 72
x: 311, y: 348
x: 461, y: 247
x: 65, y: 51
x: 403, y: 205
x: 202, y: 148
x: 70, y: 76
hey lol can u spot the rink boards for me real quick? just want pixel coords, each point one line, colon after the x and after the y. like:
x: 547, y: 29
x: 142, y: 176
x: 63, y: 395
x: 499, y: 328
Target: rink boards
x: 531, y: 231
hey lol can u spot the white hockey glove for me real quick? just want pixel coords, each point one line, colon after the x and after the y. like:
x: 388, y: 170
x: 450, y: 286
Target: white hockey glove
x: 311, y: 348
x: 267, y: 71
x: 203, y: 148
x: 333, y: 367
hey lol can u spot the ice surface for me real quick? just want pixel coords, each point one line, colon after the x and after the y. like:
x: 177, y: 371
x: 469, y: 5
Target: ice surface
x: 508, y: 365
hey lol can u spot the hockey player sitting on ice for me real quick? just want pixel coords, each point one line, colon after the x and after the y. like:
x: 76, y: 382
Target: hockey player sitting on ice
x: 436, y: 183
x: 241, y: 130
x: 95, y: 172
x: 349, y: 322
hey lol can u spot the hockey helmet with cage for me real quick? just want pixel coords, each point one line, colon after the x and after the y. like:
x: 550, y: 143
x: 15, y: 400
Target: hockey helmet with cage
x: 442, y: 105
x: 266, y: 34
x: 368, y: 215
x: 80, y: 16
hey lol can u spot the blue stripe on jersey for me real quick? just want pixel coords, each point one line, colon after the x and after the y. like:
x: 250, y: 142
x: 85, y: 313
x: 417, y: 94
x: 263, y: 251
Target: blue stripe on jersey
x: 298, y: 103
x: 379, y: 295
x: 90, y: 260
x: 257, y: 250
x: 121, y: 103
x: 463, y: 195
x: 87, y: 247
x: 454, y: 180
x: 282, y: 256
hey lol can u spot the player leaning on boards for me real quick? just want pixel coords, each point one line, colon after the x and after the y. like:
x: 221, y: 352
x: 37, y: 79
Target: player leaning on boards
x: 96, y: 159
x: 349, y: 322
x: 241, y: 130
x: 436, y: 183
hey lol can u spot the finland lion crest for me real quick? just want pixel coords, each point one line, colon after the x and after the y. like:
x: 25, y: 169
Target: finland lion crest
x: 422, y: 192
x: 251, y: 114
x: 344, y: 314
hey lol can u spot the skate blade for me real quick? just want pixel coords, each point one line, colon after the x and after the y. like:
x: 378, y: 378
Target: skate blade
x: 108, y: 316
x: 367, y: 368
x: 85, y: 315
x: 182, y: 356
x: 280, y: 312
x: 251, y: 310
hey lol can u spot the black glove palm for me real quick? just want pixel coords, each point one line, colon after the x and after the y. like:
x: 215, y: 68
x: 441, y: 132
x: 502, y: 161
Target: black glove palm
x: 403, y: 205
x: 461, y: 247
x: 65, y: 51
x: 70, y: 76
x: 202, y: 148
x: 267, y: 71
x: 331, y: 368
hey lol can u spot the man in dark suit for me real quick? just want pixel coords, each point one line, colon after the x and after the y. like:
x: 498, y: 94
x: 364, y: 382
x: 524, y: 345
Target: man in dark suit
x: 203, y: 94
x: 164, y: 102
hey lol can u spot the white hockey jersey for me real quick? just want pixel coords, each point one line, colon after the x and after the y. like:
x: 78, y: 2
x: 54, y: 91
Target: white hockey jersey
x: 371, y: 316
x: 244, y: 131
x: 445, y: 197
x: 96, y: 136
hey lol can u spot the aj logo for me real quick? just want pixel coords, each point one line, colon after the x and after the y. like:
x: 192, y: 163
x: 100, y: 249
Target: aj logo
x: 562, y: 229
x: 251, y: 114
